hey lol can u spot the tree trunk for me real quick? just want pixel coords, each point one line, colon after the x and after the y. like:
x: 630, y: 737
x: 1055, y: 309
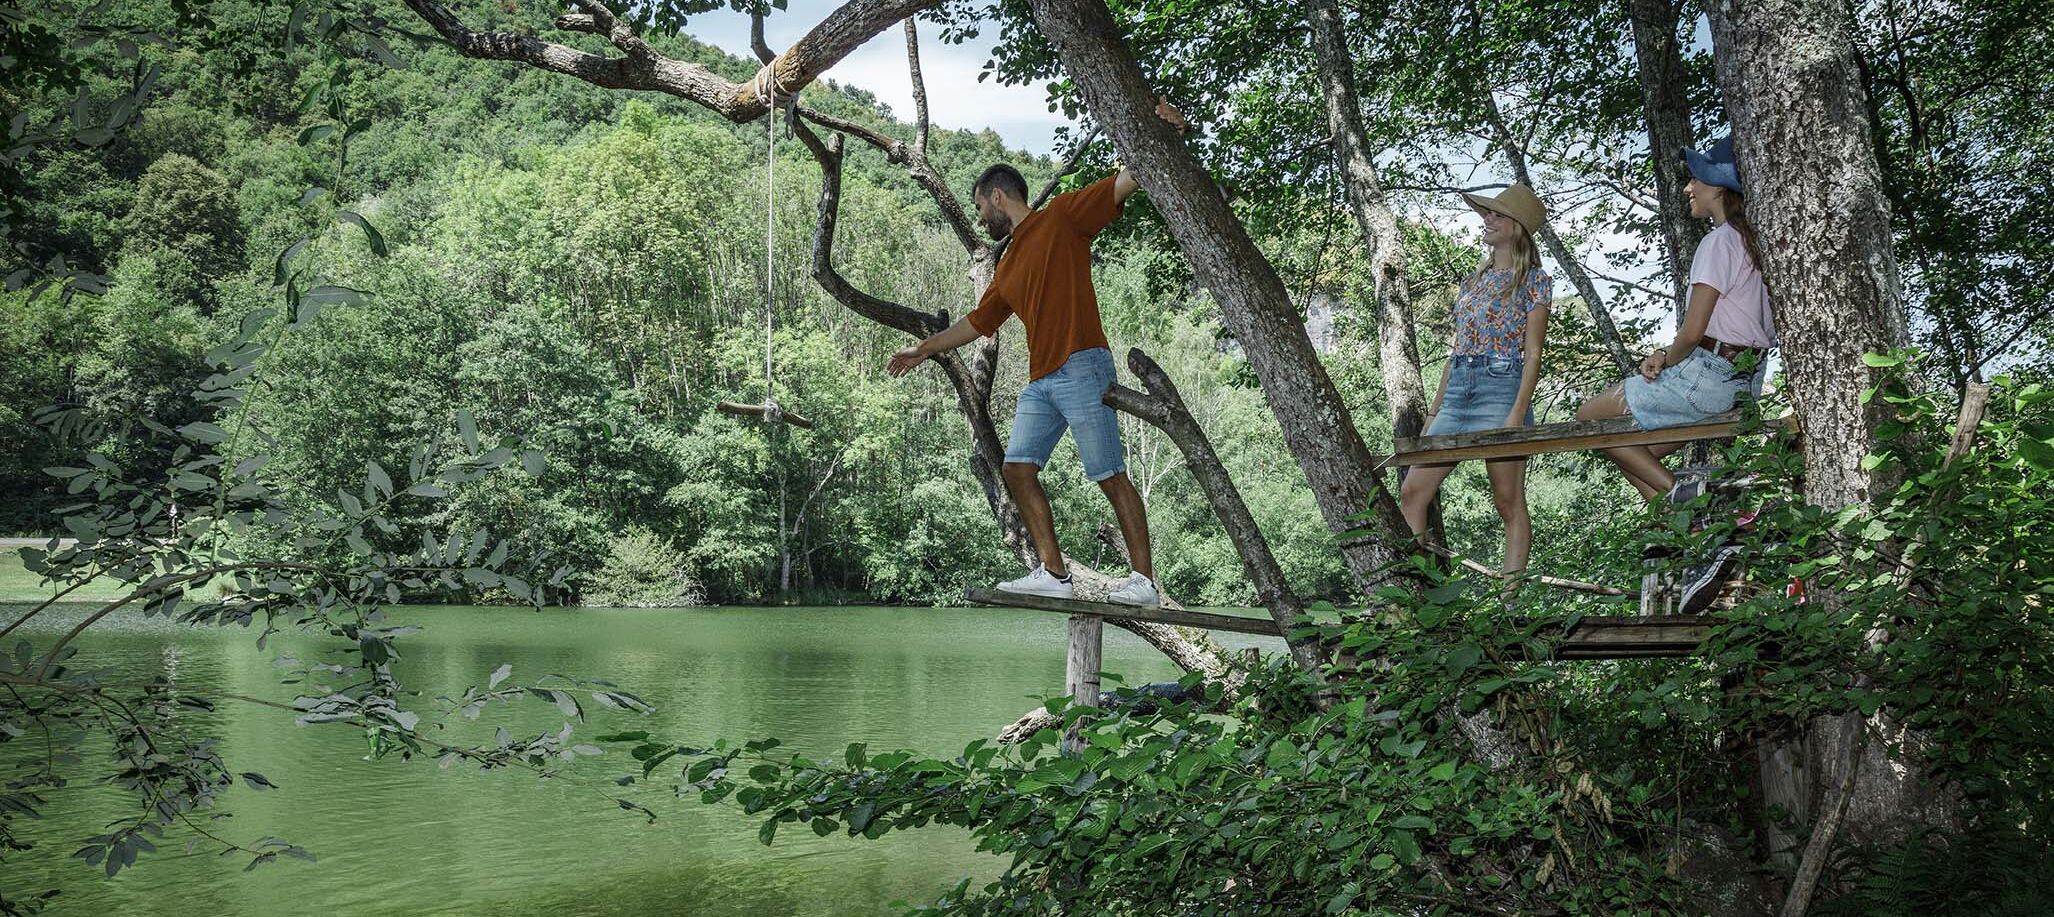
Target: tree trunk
x: 1814, y: 192
x: 1258, y: 310
x: 1383, y: 245
x: 1666, y: 106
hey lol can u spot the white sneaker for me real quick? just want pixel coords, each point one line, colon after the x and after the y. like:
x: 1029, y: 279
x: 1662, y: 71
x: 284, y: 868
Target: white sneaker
x: 1040, y: 582
x: 1137, y: 590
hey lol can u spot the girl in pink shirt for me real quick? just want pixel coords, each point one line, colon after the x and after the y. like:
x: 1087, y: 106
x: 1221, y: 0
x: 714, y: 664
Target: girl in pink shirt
x: 1726, y: 333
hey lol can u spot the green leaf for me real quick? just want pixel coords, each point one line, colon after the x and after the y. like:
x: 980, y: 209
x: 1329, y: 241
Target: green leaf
x: 381, y: 483
x: 283, y: 270
x: 1878, y: 361
x: 371, y: 233
x: 314, y: 133
x: 1443, y: 771
x: 467, y: 427
x: 203, y: 432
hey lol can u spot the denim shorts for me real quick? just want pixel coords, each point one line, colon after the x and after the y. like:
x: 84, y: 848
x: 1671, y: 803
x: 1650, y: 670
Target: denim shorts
x: 1481, y: 390
x: 1702, y: 385
x: 1070, y: 398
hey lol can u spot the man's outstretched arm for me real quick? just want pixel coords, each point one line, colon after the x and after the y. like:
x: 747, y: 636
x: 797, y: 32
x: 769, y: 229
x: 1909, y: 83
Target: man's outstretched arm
x: 1124, y: 183
x: 956, y: 335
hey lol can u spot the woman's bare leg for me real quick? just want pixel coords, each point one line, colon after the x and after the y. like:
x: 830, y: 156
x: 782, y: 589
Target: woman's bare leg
x: 1641, y: 465
x: 1416, y: 495
x: 1508, y: 491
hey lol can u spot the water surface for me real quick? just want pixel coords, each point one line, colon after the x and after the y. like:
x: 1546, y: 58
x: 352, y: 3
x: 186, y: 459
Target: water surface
x: 396, y: 838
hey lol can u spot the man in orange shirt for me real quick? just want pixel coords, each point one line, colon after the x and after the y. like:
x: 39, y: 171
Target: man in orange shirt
x: 1045, y: 279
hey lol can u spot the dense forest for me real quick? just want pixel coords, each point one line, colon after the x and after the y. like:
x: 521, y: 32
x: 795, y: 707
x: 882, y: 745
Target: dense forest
x: 393, y: 314
x: 585, y: 269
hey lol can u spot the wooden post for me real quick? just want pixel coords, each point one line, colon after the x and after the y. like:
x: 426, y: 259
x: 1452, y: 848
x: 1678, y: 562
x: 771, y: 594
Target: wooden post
x: 1080, y: 678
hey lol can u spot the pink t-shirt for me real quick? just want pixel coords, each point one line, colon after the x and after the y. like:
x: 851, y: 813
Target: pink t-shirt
x: 1741, y: 315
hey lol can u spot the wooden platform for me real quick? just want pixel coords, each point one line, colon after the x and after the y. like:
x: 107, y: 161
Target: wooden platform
x: 1635, y: 637
x: 1574, y: 436
x: 1600, y: 637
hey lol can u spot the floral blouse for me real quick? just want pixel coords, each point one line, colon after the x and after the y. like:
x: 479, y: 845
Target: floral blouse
x: 1490, y: 320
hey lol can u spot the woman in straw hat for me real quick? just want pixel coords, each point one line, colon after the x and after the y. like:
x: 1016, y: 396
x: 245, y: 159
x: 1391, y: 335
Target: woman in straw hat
x: 1718, y: 352
x: 1501, y: 318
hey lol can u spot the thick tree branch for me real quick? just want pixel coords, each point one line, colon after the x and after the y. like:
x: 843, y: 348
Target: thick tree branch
x: 1163, y: 407
x: 1316, y: 423
x: 840, y: 33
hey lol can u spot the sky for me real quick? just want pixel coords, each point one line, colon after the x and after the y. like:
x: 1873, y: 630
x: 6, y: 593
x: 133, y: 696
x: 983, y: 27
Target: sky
x: 955, y: 100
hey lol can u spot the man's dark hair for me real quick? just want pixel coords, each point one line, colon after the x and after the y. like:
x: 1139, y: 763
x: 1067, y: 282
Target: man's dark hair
x: 1001, y: 177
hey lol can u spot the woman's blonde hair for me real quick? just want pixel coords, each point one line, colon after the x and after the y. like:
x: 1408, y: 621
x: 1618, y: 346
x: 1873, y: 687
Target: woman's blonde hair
x: 1525, y: 261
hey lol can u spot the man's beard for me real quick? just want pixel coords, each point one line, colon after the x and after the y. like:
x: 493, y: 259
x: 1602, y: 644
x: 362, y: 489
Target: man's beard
x: 999, y: 225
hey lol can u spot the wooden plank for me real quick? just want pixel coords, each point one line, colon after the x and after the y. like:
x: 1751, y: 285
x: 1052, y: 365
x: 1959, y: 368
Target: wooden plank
x: 1178, y: 617
x: 1635, y: 637
x: 1574, y: 436
x: 756, y: 411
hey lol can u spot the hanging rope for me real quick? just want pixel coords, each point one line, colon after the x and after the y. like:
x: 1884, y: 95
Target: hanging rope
x: 771, y: 412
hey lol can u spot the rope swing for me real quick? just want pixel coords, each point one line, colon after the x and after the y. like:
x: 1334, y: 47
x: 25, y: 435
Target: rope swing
x: 769, y: 410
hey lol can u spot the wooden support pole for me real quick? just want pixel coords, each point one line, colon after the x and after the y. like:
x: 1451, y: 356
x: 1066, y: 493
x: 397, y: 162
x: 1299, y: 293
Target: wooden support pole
x: 1080, y: 676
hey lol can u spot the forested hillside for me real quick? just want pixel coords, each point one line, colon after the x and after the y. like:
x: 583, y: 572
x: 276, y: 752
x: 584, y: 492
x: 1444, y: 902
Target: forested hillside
x: 585, y: 269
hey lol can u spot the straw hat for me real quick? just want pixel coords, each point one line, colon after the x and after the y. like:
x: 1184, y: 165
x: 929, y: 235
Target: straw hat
x: 1518, y: 202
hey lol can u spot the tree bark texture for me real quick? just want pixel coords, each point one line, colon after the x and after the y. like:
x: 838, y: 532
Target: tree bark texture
x: 1814, y: 192
x: 1258, y: 310
x: 1383, y: 245
x: 1815, y: 195
x: 1667, y: 110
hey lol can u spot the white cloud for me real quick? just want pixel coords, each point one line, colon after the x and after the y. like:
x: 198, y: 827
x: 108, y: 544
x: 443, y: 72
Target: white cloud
x: 955, y: 99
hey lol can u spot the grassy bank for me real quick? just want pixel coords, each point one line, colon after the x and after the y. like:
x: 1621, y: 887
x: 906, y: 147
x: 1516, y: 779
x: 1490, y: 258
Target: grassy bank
x: 17, y: 584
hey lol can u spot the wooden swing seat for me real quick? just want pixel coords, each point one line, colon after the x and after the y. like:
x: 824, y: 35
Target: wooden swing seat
x: 758, y: 411
x: 1573, y: 436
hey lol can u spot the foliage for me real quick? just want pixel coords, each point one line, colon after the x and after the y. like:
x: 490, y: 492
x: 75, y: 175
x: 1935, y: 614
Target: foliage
x: 1375, y: 796
x: 644, y: 571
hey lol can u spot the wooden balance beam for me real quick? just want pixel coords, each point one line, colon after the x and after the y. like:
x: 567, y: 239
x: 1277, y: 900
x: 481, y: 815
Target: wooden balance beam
x: 1200, y: 619
x: 1598, y: 637
x: 756, y: 410
x: 1574, y: 436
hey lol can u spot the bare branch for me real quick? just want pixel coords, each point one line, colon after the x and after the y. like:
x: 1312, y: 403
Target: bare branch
x: 917, y: 165
x: 919, y: 85
x: 756, y: 40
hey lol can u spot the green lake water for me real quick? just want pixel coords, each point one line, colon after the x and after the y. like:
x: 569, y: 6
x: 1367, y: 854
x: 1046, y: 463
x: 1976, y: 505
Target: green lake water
x: 409, y: 838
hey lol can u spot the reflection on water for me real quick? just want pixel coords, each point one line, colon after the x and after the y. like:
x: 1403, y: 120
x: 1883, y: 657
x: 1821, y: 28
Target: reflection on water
x: 399, y: 838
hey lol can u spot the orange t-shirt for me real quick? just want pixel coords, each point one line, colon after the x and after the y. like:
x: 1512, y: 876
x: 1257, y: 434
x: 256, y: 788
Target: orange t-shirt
x: 1045, y: 279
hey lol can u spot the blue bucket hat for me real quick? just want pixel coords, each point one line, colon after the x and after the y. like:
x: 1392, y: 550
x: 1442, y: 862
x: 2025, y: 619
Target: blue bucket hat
x: 1715, y: 165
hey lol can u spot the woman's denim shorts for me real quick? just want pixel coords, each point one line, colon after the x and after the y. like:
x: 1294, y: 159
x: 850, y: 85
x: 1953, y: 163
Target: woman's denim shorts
x: 1702, y: 385
x: 1481, y: 390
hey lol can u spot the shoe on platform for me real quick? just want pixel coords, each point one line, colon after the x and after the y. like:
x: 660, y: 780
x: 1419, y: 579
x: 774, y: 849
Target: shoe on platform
x: 1701, y: 586
x: 1042, y: 583
x: 1137, y: 590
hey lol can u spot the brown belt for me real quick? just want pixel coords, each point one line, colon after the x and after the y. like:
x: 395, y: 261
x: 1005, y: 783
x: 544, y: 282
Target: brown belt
x: 1722, y: 349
